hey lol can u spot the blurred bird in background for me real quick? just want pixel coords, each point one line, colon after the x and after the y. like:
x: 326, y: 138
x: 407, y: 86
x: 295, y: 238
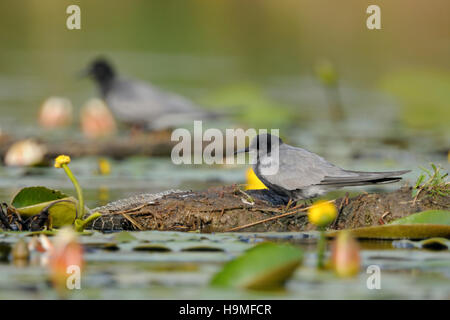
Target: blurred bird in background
x: 140, y: 104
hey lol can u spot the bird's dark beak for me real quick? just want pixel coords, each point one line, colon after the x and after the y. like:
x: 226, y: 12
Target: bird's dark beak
x: 241, y: 151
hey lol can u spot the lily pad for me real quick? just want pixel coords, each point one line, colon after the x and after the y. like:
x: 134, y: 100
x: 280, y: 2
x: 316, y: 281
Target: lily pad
x: 62, y: 213
x: 426, y: 217
x: 124, y: 236
x: 204, y: 248
x: 32, y: 200
x: 52, y: 233
x: 152, y: 247
x: 33, y: 195
x: 265, y: 266
x: 432, y: 244
x: 392, y: 231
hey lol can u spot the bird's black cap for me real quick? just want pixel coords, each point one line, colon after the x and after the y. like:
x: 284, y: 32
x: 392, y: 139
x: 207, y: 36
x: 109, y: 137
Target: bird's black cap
x: 262, y: 142
x: 101, y: 70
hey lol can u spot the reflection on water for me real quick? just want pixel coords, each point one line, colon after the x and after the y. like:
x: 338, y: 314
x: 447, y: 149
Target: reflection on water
x: 182, y: 269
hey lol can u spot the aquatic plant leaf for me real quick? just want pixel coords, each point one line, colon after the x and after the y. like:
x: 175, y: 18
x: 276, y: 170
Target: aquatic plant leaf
x: 33, y: 195
x: 432, y: 244
x: 203, y: 248
x: 152, y: 247
x: 61, y: 212
x: 393, y: 231
x: 124, y: 236
x: 429, y: 216
x: 81, y: 224
x: 435, y: 244
x: 265, y: 266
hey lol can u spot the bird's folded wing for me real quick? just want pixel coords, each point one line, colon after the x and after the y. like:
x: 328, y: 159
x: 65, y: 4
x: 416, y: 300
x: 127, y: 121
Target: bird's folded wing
x: 143, y: 102
x: 351, y: 177
x: 134, y: 101
x: 299, y: 168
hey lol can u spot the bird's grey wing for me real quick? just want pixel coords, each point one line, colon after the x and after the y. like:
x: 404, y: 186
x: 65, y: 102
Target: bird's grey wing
x: 140, y: 102
x: 298, y: 168
x: 134, y: 101
x: 355, y: 178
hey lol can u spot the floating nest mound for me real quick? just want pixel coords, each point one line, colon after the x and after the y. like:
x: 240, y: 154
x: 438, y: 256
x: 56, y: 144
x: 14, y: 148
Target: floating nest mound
x: 226, y: 209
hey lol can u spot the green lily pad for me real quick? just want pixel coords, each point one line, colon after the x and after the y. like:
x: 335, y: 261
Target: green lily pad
x: 152, y: 247
x: 205, y: 248
x: 51, y: 233
x: 426, y: 217
x: 393, y: 231
x: 435, y: 244
x: 29, y: 196
x: 431, y: 244
x: 62, y: 213
x: 124, y: 236
x: 265, y: 266
x: 32, y: 200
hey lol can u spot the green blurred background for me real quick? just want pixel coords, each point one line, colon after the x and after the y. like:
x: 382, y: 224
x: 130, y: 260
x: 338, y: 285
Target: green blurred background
x: 198, y: 46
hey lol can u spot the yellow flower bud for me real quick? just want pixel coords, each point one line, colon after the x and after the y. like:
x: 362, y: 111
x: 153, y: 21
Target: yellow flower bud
x: 322, y: 213
x: 326, y: 73
x: 60, y: 160
x: 104, y: 167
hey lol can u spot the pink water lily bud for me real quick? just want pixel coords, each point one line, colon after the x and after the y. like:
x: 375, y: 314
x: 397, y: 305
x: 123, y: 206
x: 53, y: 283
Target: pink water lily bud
x: 47, y: 245
x: 66, y: 255
x: 96, y: 119
x: 25, y: 153
x: 345, y: 256
x: 40, y: 244
x: 56, y: 112
x: 35, y: 245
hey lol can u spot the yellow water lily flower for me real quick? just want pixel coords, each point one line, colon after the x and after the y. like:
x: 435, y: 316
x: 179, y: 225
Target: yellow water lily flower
x: 253, y: 182
x: 104, y: 167
x: 60, y: 160
x: 322, y: 213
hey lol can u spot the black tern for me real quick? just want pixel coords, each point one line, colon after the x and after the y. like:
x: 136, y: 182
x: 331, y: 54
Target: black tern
x: 298, y: 174
x: 140, y: 104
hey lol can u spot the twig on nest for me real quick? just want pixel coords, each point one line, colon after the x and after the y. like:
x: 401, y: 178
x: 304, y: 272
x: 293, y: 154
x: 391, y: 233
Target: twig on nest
x: 137, y: 225
x: 341, y: 208
x: 249, y: 200
x: 271, y: 218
